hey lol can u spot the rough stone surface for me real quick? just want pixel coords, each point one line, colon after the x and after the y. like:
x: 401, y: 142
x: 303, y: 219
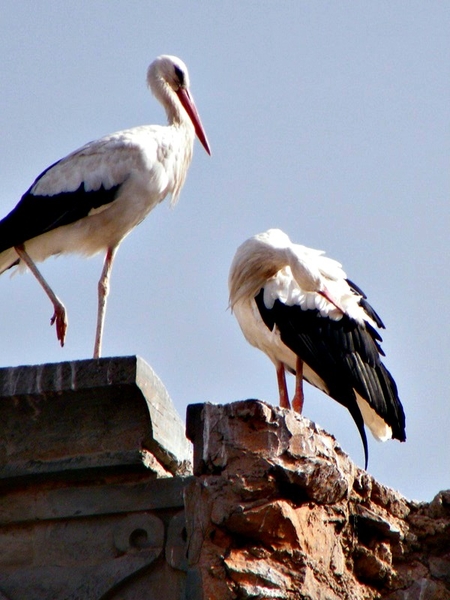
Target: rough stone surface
x: 93, y: 504
x: 91, y: 497
x: 277, y: 510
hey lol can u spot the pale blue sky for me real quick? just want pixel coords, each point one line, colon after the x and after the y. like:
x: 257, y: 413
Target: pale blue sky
x: 329, y: 120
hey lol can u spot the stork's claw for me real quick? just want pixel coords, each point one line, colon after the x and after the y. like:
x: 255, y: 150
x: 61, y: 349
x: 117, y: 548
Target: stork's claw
x: 60, y: 318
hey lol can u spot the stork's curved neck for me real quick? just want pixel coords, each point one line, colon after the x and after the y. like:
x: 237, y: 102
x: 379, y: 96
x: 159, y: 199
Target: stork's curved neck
x: 176, y: 115
x: 184, y: 136
x: 250, y: 271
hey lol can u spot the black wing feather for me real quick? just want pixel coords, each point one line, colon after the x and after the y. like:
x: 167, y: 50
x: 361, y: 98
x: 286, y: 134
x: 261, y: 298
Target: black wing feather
x: 366, y: 306
x: 345, y: 355
x: 35, y: 215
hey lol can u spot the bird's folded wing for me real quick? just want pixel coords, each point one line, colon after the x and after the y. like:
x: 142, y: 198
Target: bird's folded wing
x: 66, y: 192
x: 343, y: 353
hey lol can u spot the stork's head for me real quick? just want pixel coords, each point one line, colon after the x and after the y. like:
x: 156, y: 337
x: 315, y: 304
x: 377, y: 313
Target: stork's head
x: 168, y: 79
x: 256, y: 261
x: 168, y: 70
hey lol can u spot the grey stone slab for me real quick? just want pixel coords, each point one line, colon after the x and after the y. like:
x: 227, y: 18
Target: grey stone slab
x: 20, y: 505
x: 116, y: 556
x: 85, y: 414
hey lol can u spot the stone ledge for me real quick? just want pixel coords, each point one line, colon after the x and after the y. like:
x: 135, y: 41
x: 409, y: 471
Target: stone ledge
x: 90, y: 507
x: 87, y: 414
x: 52, y: 503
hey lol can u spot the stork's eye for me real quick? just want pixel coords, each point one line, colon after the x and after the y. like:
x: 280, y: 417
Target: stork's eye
x: 180, y: 75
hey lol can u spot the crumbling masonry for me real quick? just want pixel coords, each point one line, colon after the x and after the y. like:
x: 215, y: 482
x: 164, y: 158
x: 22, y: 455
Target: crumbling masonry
x: 102, y: 500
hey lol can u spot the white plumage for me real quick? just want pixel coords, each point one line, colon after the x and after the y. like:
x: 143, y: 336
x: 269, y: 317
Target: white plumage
x: 91, y: 199
x: 299, y: 308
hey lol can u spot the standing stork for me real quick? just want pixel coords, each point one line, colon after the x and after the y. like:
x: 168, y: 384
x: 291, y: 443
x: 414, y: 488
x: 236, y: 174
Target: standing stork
x: 91, y: 199
x: 297, y: 306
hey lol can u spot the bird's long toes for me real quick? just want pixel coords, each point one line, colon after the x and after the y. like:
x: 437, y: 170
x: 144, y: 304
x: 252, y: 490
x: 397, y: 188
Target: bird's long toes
x: 59, y: 319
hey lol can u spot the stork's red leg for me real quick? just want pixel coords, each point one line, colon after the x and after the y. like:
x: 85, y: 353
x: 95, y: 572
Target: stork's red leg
x: 103, y: 291
x: 297, y: 401
x: 282, y: 387
x: 59, y: 316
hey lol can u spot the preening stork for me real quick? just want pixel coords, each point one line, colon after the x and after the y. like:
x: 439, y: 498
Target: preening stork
x: 91, y: 199
x: 297, y: 306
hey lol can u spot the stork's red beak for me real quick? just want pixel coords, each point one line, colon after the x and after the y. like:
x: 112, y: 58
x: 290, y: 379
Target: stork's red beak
x: 326, y: 294
x: 189, y: 106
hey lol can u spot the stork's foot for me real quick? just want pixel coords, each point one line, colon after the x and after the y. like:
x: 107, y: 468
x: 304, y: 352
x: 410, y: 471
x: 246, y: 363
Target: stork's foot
x: 61, y: 322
